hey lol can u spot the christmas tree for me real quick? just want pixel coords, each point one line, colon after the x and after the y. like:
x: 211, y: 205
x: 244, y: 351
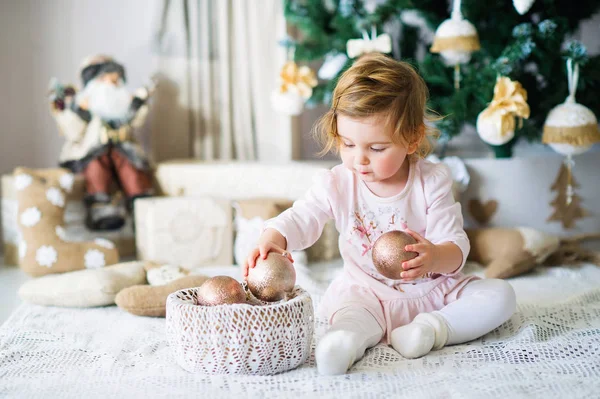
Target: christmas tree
x: 529, y: 48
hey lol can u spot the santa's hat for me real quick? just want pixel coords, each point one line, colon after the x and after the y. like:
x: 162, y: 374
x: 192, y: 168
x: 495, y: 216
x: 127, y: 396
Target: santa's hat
x: 96, y: 65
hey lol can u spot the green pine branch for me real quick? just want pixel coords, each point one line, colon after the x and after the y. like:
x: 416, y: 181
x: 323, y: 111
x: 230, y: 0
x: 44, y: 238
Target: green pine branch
x: 513, y: 45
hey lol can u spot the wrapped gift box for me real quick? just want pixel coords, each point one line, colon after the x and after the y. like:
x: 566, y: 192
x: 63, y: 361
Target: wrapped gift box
x: 187, y: 232
x: 237, y: 181
x: 75, y: 214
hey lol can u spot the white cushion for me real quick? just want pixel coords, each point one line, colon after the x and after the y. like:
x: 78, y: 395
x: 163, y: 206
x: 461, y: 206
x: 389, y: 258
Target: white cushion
x: 83, y: 288
x: 238, y: 180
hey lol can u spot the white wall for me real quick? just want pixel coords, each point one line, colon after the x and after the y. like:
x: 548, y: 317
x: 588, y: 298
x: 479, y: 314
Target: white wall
x: 40, y: 39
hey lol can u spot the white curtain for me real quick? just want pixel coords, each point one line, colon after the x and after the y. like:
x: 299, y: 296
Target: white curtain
x: 219, y: 61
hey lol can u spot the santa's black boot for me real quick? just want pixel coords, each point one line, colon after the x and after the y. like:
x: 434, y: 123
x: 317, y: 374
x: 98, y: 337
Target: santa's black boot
x: 102, y: 213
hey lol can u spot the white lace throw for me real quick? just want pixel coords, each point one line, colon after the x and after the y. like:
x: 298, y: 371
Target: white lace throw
x: 549, y: 349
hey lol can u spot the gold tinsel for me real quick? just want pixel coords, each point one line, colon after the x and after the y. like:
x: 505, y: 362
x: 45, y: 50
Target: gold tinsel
x: 582, y: 135
x: 457, y: 43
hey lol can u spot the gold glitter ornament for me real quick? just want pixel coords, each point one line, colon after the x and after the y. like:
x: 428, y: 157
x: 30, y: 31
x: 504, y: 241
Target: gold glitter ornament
x: 221, y: 290
x: 272, y: 278
x: 388, y: 253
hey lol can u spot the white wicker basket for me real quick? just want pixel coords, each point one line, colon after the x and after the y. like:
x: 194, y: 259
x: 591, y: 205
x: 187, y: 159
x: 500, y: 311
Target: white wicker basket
x: 241, y: 338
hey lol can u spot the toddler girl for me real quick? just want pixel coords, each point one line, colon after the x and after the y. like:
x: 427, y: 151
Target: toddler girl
x: 379, y: 125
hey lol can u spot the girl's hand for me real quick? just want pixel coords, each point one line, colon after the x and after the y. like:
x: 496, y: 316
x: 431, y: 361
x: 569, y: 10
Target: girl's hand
x: 424, y: 263
x: 263, y: 250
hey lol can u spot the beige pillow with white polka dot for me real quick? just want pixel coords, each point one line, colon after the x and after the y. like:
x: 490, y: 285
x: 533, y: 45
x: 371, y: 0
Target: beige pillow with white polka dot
x: 83, y: 288
x: 41, y: 195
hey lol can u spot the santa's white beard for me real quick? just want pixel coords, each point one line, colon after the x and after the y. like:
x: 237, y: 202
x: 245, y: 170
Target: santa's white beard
x: 106, y: 100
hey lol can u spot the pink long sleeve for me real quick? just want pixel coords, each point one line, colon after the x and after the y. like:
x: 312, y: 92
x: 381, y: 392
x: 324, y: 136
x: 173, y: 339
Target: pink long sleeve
x: 444, y: 221
x: 303, y: 223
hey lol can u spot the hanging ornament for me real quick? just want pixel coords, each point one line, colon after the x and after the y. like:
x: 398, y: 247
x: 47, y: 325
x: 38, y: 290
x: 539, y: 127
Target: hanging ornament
x: 295, y: 87
x: 566, y: 204
x: 570, y: 129
x: 496, y: 124
x: 455, y: 39
x: 522, y: 6
x: 381, y: 44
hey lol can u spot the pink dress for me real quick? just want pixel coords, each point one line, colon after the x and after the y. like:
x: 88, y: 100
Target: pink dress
x: 426, y: 205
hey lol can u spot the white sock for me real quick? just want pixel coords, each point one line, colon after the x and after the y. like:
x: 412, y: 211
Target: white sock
x: 428, y: 331
x: 352, y: 332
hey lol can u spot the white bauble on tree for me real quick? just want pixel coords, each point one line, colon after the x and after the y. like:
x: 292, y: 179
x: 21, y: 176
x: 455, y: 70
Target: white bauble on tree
x: 489, y: 128
x: 571, y: 128
x: 522, y: 6
x: 568, y: 149
x: 295, y: 87
x: 288, y: 103
x: 455, y: 40
x: 496, y: 124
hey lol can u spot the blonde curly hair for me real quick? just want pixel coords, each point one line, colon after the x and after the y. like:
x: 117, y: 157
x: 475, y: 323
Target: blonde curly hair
x: 377, y: 85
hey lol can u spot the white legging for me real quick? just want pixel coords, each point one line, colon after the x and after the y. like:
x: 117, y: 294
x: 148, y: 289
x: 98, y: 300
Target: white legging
x: 482, y: 306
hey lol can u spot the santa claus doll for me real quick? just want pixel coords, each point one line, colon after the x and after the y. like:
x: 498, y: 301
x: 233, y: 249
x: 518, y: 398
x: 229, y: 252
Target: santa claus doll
x: 97, y: 123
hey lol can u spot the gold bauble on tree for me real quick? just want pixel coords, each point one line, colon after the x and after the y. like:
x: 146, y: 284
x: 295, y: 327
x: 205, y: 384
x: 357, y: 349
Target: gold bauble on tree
x: 271, y: 279
x: 388, y: 253
x: 221, y: 290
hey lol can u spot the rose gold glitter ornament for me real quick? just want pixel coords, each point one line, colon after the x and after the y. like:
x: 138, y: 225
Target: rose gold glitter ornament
x: 271, y: 278
x: 221, y: 290
x: 388, y: 253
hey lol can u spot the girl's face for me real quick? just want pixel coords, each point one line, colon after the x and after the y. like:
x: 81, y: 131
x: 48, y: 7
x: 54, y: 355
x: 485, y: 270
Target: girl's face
x: 366, y: 148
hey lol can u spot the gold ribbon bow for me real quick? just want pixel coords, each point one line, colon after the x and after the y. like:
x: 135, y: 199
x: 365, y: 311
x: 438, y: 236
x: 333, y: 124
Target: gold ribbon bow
x: 510, y: 100
x: 299, y: 80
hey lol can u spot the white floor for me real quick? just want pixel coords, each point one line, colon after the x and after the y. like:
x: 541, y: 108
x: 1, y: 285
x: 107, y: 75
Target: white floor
x: 11, y: 278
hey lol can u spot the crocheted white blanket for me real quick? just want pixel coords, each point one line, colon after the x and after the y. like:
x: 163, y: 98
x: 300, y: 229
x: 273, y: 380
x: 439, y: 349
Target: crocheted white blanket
x: 550, y: 348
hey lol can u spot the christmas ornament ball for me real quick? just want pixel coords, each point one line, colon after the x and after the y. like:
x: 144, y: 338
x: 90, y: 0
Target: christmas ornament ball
x: 288, y: 103
x: 571, y: 128
x: 221, y: 290
x: 388, y: 253
x: 522, y: 6
x: 488, y: 129
x: 455, y: 39
x: 568, y: 149
x: 272, y: 278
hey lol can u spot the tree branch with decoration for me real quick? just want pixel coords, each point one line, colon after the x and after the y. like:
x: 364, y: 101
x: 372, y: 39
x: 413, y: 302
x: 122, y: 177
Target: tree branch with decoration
x: 476, y: 47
